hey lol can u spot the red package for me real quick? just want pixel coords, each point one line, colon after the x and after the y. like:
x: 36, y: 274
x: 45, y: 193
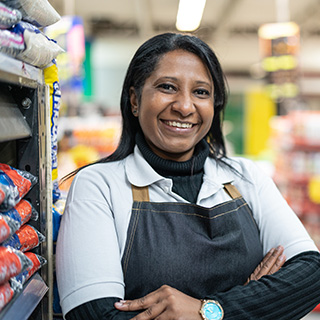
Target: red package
x: 22, y: 212
x: 25, y: 239
x: 22, y: 184
x: 2, y: 195
x: 24, y: 209
x: 22, y: 180
x: 37, y: 263
x: 8, y: 227
x: 4, y: 229
x: 6, y: 294
x: 12, y: 262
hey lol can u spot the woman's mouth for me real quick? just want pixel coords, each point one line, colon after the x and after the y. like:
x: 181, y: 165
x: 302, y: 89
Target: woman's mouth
x: 177, y: 124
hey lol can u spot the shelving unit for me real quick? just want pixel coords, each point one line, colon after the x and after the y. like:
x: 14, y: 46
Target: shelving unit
x: 297, y: 143
x: 25, y: 144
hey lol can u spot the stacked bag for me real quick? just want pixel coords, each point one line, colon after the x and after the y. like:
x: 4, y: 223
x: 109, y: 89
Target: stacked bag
x: 20, y: 36
x: 21, y: 22
x: 17, y: 236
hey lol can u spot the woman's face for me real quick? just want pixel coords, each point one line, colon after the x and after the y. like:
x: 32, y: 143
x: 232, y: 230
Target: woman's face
x: 176, y: 107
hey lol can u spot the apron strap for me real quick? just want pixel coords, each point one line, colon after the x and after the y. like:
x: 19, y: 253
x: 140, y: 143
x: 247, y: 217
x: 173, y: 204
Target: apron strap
x: 140, y: 193
x: 232, y: 191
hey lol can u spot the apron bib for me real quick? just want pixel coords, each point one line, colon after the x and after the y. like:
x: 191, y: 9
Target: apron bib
x: 197, y: 250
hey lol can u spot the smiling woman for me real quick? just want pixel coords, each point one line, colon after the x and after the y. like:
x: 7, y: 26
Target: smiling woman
x: 176, y: 107
x: 169, y: 226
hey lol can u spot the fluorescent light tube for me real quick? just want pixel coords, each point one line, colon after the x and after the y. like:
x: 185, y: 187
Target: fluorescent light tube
x: 190, y: 14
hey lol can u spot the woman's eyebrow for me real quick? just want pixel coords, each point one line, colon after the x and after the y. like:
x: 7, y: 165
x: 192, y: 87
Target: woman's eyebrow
x: 204, y: 82
x: 168, y: 78
x: 176, y: 79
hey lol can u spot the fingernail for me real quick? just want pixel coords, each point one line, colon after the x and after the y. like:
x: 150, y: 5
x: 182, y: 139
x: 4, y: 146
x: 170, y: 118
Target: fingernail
x: 279, y: 248
x: 120, y: 303
x: 282, y: 257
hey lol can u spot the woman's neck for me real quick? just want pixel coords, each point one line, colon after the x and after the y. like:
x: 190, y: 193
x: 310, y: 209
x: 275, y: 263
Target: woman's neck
x: 174, y: 168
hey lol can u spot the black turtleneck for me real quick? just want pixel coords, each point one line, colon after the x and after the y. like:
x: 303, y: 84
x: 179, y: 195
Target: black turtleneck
x: 186, y: 175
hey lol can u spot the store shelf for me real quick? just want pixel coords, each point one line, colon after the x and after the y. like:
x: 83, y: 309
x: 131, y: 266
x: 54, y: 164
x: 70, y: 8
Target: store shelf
x: 15, y: 71
x: 12, y: 121
x: 296, y: 140
x: 23, y: 304
x: 305, y: 144
x: 25, y: 144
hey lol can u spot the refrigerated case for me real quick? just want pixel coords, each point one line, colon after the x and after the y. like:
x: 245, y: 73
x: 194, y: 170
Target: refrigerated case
x: 25, y: 144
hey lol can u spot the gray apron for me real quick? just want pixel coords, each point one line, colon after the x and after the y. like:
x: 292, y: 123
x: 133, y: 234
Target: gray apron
x: 197, y: 250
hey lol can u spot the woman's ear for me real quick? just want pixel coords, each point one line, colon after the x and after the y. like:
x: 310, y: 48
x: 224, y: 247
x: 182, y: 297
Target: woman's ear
x: 133, y: 101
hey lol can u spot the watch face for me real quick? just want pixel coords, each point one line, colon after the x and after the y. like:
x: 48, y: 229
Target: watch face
x: 212, y: 311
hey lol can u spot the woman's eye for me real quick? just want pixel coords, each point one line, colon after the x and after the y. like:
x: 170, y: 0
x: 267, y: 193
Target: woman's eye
x: 202, y: 92
x: 167, y: 87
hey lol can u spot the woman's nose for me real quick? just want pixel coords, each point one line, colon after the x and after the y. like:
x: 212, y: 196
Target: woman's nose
x: 184, y: 104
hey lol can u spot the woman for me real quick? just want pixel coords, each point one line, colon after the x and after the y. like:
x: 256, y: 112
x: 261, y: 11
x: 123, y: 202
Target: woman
x: 168, y: 219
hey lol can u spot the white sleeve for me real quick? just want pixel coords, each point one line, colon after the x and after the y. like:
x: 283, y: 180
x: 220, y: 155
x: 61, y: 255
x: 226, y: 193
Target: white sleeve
x: 277, y: 222
x: 88, y: 263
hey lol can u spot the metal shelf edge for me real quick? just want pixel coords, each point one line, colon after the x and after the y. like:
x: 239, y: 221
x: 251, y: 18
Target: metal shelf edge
x: 25, y: 302
x: 19, y: 72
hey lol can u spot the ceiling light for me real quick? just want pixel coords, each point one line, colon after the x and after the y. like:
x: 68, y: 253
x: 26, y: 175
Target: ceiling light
x: 278, y: 30
x: 190, y: 14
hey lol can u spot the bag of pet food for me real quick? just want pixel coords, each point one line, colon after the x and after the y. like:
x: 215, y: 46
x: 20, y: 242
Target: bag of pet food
x: 25, y: 239
x: 12, y: 262
x: 8, y: 227
x: 6, y: 294
x: 15, y: 184
x: 22, y: 213
x: 37, y: 262
x: 39, y: 49
x: 38, y: 12
x: 8, y: 16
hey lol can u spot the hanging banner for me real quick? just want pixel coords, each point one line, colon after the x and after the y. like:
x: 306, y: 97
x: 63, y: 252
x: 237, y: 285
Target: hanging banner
x: 69, y: 34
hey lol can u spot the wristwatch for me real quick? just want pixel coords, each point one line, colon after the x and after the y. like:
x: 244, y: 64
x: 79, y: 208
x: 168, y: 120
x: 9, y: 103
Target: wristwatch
x: 211, y: 310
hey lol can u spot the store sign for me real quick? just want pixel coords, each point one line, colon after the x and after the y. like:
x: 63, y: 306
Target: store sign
x: 279, y: 46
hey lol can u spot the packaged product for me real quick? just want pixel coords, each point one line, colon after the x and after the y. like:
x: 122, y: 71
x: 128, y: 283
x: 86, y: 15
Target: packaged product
x: 15, y: 184
x: 8, y: 227
x: 11, y: 43
x: 6, y: 294
x: 8, y: 190
x: 8, y: 16
x: 37, y: 262
x: 26, y: 238
x: 51, y: 78
x: 38, y: 12
x: 56, y: 219
x: 12, y: 262
x: 22, y: 212
x: 2, y: 195
x: 39, y: 49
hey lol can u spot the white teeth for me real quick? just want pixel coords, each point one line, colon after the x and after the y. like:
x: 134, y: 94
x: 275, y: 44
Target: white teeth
x: 179, y: 124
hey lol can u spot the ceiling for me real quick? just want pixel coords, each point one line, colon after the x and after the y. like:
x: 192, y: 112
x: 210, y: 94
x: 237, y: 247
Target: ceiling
x: 229, y: 26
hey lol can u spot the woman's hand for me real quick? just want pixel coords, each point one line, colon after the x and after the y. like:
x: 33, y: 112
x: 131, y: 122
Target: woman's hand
x: 270, y: 264
x: 164, y: 303
x: 169, y: 303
